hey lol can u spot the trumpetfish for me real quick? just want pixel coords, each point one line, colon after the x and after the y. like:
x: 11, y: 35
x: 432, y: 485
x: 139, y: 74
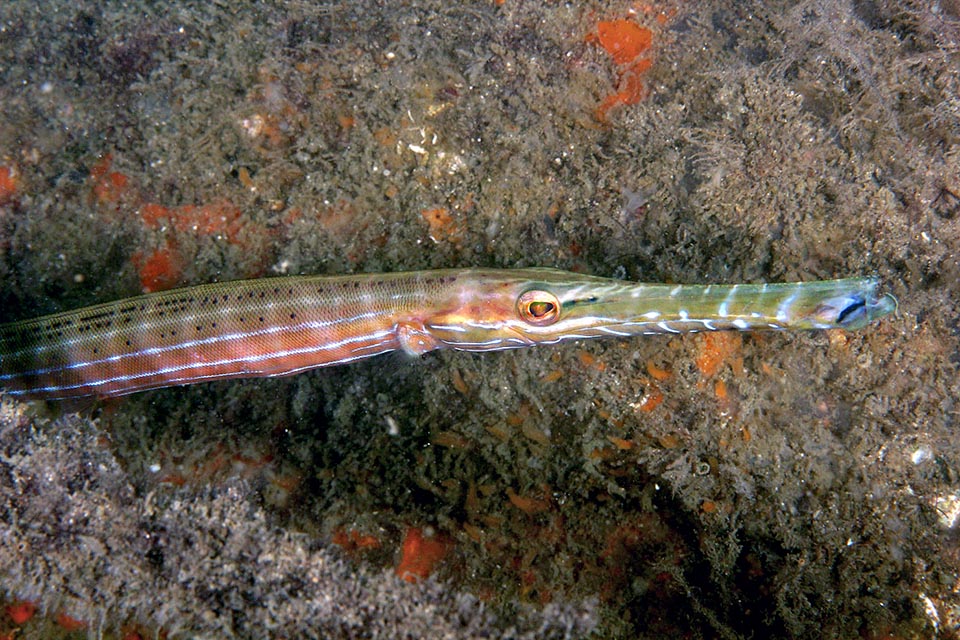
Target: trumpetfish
x: 282, y: 326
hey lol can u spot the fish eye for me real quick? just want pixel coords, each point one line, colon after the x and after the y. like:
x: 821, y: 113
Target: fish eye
x: 538, y: 307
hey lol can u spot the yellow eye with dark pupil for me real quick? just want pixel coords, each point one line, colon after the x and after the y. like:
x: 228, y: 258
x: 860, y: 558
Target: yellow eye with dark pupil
x: 538, y: 308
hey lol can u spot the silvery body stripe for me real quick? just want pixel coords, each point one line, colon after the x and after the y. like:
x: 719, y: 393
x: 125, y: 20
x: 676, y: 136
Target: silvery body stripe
x: 281, y: 326
x: 205, y: 343
x: 182, y: 372
x: 250, y: 328
x: 192, y: 319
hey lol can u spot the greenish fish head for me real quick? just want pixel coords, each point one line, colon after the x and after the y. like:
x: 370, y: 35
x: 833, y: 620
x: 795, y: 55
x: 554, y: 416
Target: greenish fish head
x: 850, y: 311
x: 490, y: 310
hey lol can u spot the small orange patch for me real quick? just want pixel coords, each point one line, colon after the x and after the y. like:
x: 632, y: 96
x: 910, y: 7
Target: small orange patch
x: 459, y: 383
x: 221, y: 220
x: 69, y: 623
x: 353, y: 540
x: 175, y: 478
x: 652, y: 399
x: 243, y: 175
x: 474, y: 532
x: 516, y: 419
x: 472, y: 501
x: 720, y: 389
x: 498, y: 433
x: 601, y: 453
x: 626, y: 42
x: 159, y: 271
x: 385, y: 136
x: 669, y: 441
x: 657, y: 373
x: 340, y: 219
x: 421, y: 553
x: 111, y: 188
x: 631, y: 90
x: 9, y: 183
x: 718, y: 348
x: 552, y: 376
x: 108, y: 187
x: 152, y: 215
x: 287, y: 483
x: 451, y: 440
x: 622, y: 39
x: 101, y: 167
x: 620, y: 443
x: 209, y: 219
x: 443, y: 225
x: 535, y: 433
x: 587, y: 359
x: 21, y: 611
x: 527, y: 505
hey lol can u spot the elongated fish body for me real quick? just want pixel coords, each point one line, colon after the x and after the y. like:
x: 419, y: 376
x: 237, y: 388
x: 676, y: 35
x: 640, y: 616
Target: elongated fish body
x: 282, y: 326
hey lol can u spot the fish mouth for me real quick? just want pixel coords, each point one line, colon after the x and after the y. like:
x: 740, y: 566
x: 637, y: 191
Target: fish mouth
x: 854, y: 311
